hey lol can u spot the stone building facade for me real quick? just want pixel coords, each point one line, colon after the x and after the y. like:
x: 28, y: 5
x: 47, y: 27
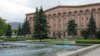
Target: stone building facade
x: 59, y: 16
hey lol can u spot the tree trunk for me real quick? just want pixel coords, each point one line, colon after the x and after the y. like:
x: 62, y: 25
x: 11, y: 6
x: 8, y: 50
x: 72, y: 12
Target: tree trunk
x: 40, y: 40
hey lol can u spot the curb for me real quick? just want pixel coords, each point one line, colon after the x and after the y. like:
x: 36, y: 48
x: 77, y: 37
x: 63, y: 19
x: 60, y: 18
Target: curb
x: 83, y: 51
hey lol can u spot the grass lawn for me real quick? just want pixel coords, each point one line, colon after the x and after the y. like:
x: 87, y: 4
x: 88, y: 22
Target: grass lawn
x: 56, y: 41
x: 82, y: 41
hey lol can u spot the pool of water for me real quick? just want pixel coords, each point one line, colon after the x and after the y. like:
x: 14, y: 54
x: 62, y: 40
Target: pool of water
x: 34, y: 49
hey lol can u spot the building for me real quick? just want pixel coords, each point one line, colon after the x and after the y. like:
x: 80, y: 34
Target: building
x: 59, y: 16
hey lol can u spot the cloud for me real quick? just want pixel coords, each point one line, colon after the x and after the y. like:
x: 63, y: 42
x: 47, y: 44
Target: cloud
x: 14, y: 7
x: 15, y: 10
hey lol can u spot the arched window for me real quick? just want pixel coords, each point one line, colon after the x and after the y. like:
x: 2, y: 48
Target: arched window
x: 59, y: 14
x: 30, y: 18
x: 93, y: 11
x: 69, y: 13
x: 64, y: 13
x: 75, y: 15
x: 49, y: 15
x: 87, y: 12
x: 75, y: 12
x: 99, y: 12
x: 54, y: 15
x: 80, y: 12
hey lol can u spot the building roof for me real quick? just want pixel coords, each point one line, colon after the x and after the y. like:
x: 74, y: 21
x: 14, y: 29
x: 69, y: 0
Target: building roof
x: 63, y: 6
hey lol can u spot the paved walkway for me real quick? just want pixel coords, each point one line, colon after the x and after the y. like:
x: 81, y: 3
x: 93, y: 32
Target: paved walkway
x: 95, y: 52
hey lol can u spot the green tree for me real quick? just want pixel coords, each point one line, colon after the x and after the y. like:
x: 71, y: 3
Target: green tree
x: 26, y: 28
x: 35, y: 24
x: 71, y: 29
x: 84, y: 33
x: 92, y: 26
x: 3, y: 26
x: 19, y: 33
x: 97, y: 34
x: 14, y: 31
x: 9, y: 31
x: 40, y: 25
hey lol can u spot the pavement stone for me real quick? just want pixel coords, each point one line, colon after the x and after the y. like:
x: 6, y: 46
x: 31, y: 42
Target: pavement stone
x: 95, y: 52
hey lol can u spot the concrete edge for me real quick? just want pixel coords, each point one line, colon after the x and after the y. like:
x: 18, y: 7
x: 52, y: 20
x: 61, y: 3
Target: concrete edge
x: 82, y: 51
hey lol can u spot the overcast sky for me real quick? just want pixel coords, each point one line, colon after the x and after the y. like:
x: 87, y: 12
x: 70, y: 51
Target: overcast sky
x: 15, y: 10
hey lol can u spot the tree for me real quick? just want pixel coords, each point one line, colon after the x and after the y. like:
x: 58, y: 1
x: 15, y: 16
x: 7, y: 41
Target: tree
x: 92, y: 26
x: 19, y: 33
x: 3, y: 27
x: 97, y: 34
x: 35, y: 24
x: 9, y: 31
x: 26, y: 28
x: 72, y: 28
x: 14, y: 31
x: 40, y: 25
x: 84, y: 33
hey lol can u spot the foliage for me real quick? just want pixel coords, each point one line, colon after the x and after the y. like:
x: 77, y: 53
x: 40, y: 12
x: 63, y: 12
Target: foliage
x: 14, y: 30
x: 84, y: 33
x: 3, y: 27
x: 19, y: 33
x: 9, y: 31
x: 97, y: 34
x: 88, y: 41
x: 40, y: 25
x: 71, y: 29
x: 91, y: 26
x: 26, y: 28
x: 13, y: 39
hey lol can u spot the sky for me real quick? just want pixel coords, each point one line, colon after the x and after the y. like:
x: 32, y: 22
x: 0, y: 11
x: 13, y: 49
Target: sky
x: 15, y: 10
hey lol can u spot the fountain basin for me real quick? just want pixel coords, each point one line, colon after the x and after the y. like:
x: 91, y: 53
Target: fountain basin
x: 31, y: 49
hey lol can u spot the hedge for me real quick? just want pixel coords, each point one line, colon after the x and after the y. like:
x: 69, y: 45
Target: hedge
x: 12, y: 39
x: 88, y: 41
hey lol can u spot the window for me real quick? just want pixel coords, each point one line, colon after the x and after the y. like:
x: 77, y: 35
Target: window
x: 82, y: 25
x: 82, y: 18
x: 54, y: 25
x: 59, y: 19
x: 87, y: 18
x: 30, y: 18
x: 59, y: 25
x: 64, y: 34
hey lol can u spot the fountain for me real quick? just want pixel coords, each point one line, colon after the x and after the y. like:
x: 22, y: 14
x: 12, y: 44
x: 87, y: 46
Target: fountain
x: 33, y: 49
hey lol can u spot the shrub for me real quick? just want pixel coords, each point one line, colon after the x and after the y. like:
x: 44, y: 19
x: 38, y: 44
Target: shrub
x: 98, y: 34
x: 10, y: 39
x: 13, y: 39
x: 88, y: 41
x: 84, y: 33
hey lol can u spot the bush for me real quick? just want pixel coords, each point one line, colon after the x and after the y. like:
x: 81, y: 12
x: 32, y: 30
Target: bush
x: 84, y: 33
x: 98, y: 34
x: 10, y: 39
x: 13, y: 39
x: 88, y: 41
